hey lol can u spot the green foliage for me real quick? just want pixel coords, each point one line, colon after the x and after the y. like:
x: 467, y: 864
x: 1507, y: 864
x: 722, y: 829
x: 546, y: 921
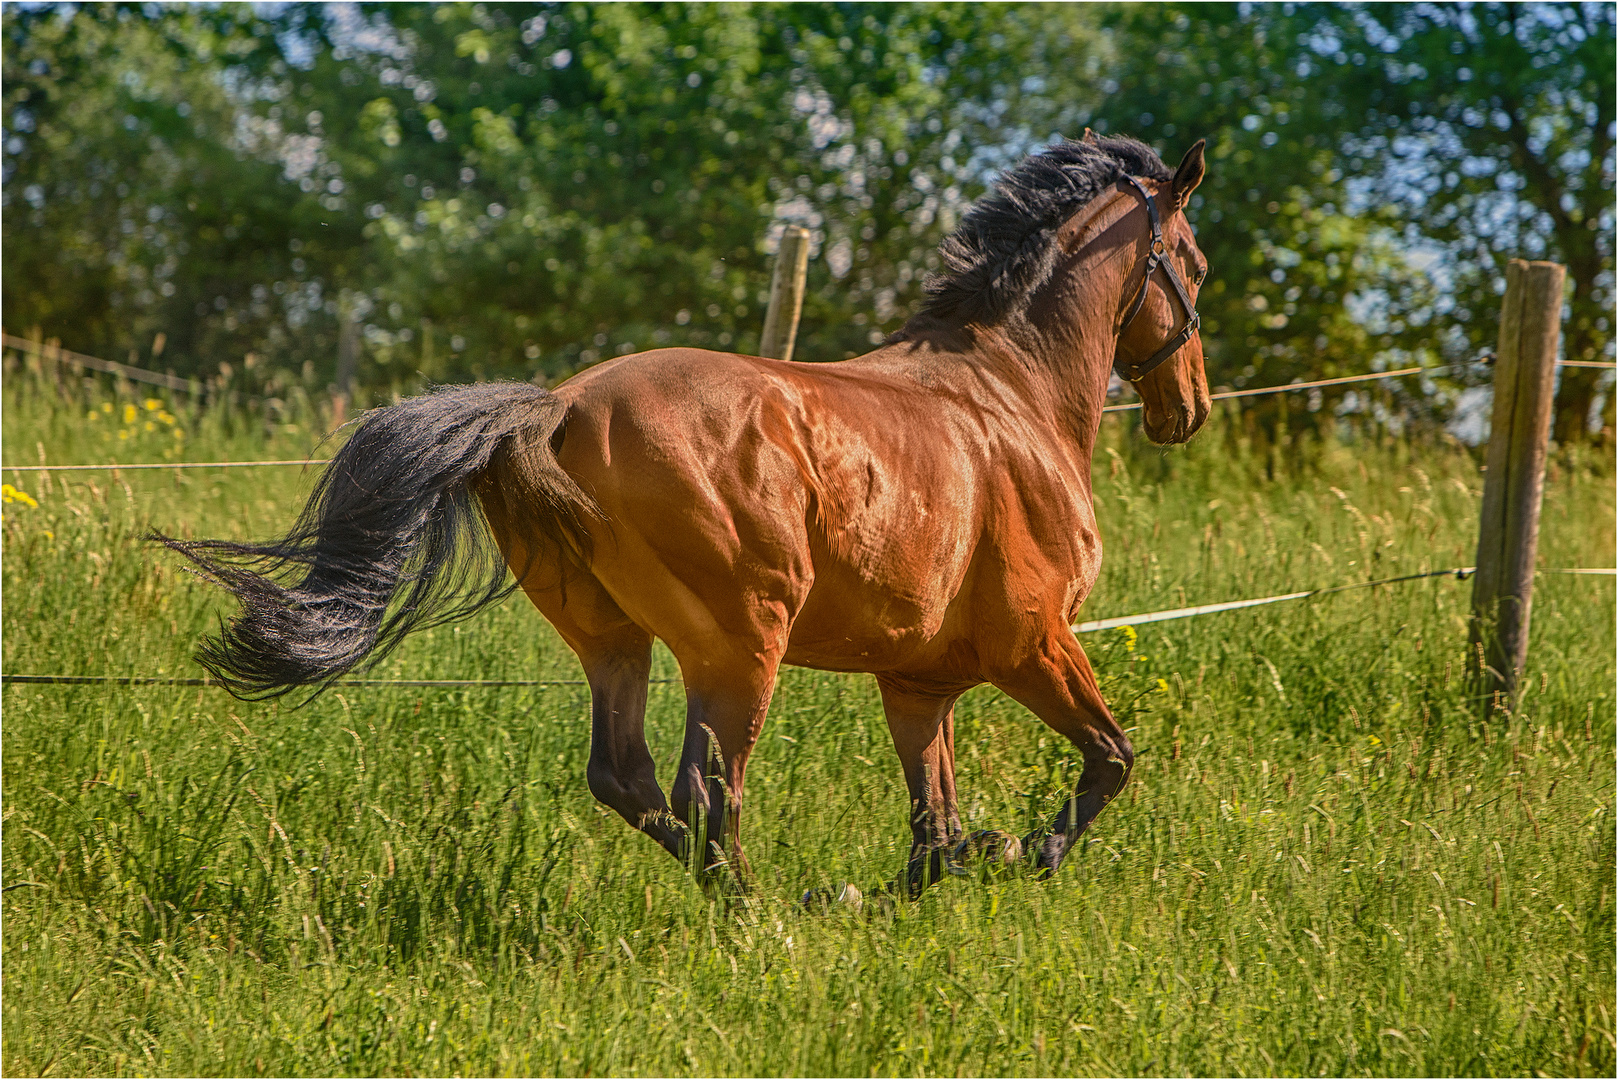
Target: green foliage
x: 642, y: 180
x: 1287, y: 257
x: 130, y: 208
x: 1491, y: 129
x: 1346, y: 138
x: 1324, y: 863
x: 496, y: 189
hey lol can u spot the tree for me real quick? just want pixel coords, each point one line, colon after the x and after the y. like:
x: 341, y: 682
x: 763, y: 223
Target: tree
x: 1291, y: 263
x: 569, y: 182
x: 519, y: 188
x: 1491, y: 128
x: 131, y: 207
x: 499, y: 188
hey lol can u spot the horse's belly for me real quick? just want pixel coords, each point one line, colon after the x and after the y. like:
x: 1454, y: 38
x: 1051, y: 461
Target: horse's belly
x: 850, y: 622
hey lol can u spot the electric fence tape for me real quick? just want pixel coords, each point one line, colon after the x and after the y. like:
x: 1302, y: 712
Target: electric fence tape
x: 1460, y: 573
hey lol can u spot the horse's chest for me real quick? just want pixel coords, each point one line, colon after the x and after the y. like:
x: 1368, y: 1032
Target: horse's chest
x: 1069, y: 554
x: 1077, y: 592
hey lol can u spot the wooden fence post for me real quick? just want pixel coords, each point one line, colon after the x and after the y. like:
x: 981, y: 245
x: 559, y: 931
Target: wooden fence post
x: 1524, y: 384
x: 786, y: 294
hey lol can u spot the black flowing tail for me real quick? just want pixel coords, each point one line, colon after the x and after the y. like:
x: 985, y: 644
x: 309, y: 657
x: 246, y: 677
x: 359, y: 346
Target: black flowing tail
x: 393, y: 538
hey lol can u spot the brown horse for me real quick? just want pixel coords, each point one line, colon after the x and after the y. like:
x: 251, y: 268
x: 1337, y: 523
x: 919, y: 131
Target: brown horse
x: 922, y: 512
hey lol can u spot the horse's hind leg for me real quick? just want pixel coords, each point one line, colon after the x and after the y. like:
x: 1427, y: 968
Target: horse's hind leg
x: 621, y: 772
x: 922, y: 724
x: 1058, y: 685
x: 617, y: 658
x: 728, y: 693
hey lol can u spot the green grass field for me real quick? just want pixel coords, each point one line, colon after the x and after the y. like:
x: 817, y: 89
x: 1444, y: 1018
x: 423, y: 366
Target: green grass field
x: 1326, y: 864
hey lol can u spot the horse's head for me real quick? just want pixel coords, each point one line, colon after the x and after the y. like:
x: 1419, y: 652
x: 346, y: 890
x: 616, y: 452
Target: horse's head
x: 1159, y: 345
x: 1052, y: 245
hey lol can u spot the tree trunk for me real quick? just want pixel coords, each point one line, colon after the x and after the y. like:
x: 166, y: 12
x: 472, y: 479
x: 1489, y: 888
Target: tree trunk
x: 1577, y: 390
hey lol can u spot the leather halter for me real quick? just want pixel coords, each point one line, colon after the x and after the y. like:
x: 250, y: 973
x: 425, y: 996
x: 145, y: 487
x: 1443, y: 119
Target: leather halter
x: 1156, y: 256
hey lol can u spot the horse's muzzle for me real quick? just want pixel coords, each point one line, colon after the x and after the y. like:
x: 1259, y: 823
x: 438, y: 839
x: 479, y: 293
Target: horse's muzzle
x: 1175, y: 424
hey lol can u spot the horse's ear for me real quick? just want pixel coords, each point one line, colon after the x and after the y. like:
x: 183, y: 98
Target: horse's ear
x: 1190, y: 173
x: 1089, y: 138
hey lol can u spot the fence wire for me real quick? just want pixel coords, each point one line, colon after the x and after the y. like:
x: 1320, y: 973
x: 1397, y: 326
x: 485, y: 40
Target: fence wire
x: 125, y: 370
x: 1460, y: 573
x: 1372, y: 376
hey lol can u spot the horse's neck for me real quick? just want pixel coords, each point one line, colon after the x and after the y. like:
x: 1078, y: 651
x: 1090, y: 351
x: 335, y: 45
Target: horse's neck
x: 1068, y: 370
x: 1067, y: 336
x: 1059, y: 380
x: 1057, y: 354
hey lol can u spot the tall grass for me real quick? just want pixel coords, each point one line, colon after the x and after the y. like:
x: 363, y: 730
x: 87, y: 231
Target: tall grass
x: 1328, y: 863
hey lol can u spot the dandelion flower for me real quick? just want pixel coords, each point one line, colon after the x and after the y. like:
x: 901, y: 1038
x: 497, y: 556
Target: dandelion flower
x: 106, y: 406
x: 129, y: 414
x: 152, y: 404
x: 11, y: 494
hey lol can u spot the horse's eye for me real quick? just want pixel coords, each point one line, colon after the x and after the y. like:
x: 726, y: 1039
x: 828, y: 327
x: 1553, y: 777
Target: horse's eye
x: 1200, y: 274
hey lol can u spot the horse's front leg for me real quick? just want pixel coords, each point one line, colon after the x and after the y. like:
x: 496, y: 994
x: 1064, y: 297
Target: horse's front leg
x: 922, y: 724
x: 1057, y: 685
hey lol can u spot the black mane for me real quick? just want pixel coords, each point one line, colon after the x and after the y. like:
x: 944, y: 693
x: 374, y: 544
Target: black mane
x: 1002, y: 251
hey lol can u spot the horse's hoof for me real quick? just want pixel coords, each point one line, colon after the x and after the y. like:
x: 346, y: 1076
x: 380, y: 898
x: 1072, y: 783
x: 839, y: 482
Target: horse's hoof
x: 720, y: 878
x: 845, y: 898
x: 992, y: 850
x: 881, y: 902
x: 1045, y: 851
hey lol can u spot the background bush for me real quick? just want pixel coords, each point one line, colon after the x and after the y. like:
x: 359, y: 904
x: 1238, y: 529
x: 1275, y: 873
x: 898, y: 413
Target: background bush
x: 496, y: 189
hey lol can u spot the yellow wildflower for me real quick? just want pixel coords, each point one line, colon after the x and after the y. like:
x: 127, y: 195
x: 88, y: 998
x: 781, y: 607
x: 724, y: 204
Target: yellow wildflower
x: 11, y: 494
x: 106, y: 406
x: 1162, y: 686
x: 1130, y: 637
x: 129, y: 414
x: 152, y: 404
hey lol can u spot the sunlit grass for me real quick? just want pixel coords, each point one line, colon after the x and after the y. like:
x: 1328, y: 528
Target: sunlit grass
x: 1327, y: 863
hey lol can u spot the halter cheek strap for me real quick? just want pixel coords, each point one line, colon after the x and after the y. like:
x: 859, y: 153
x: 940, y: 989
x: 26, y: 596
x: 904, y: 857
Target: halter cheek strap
x: 1156, y: 256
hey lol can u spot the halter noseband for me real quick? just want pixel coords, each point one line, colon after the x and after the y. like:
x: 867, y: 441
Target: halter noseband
x: 1155, y: 257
